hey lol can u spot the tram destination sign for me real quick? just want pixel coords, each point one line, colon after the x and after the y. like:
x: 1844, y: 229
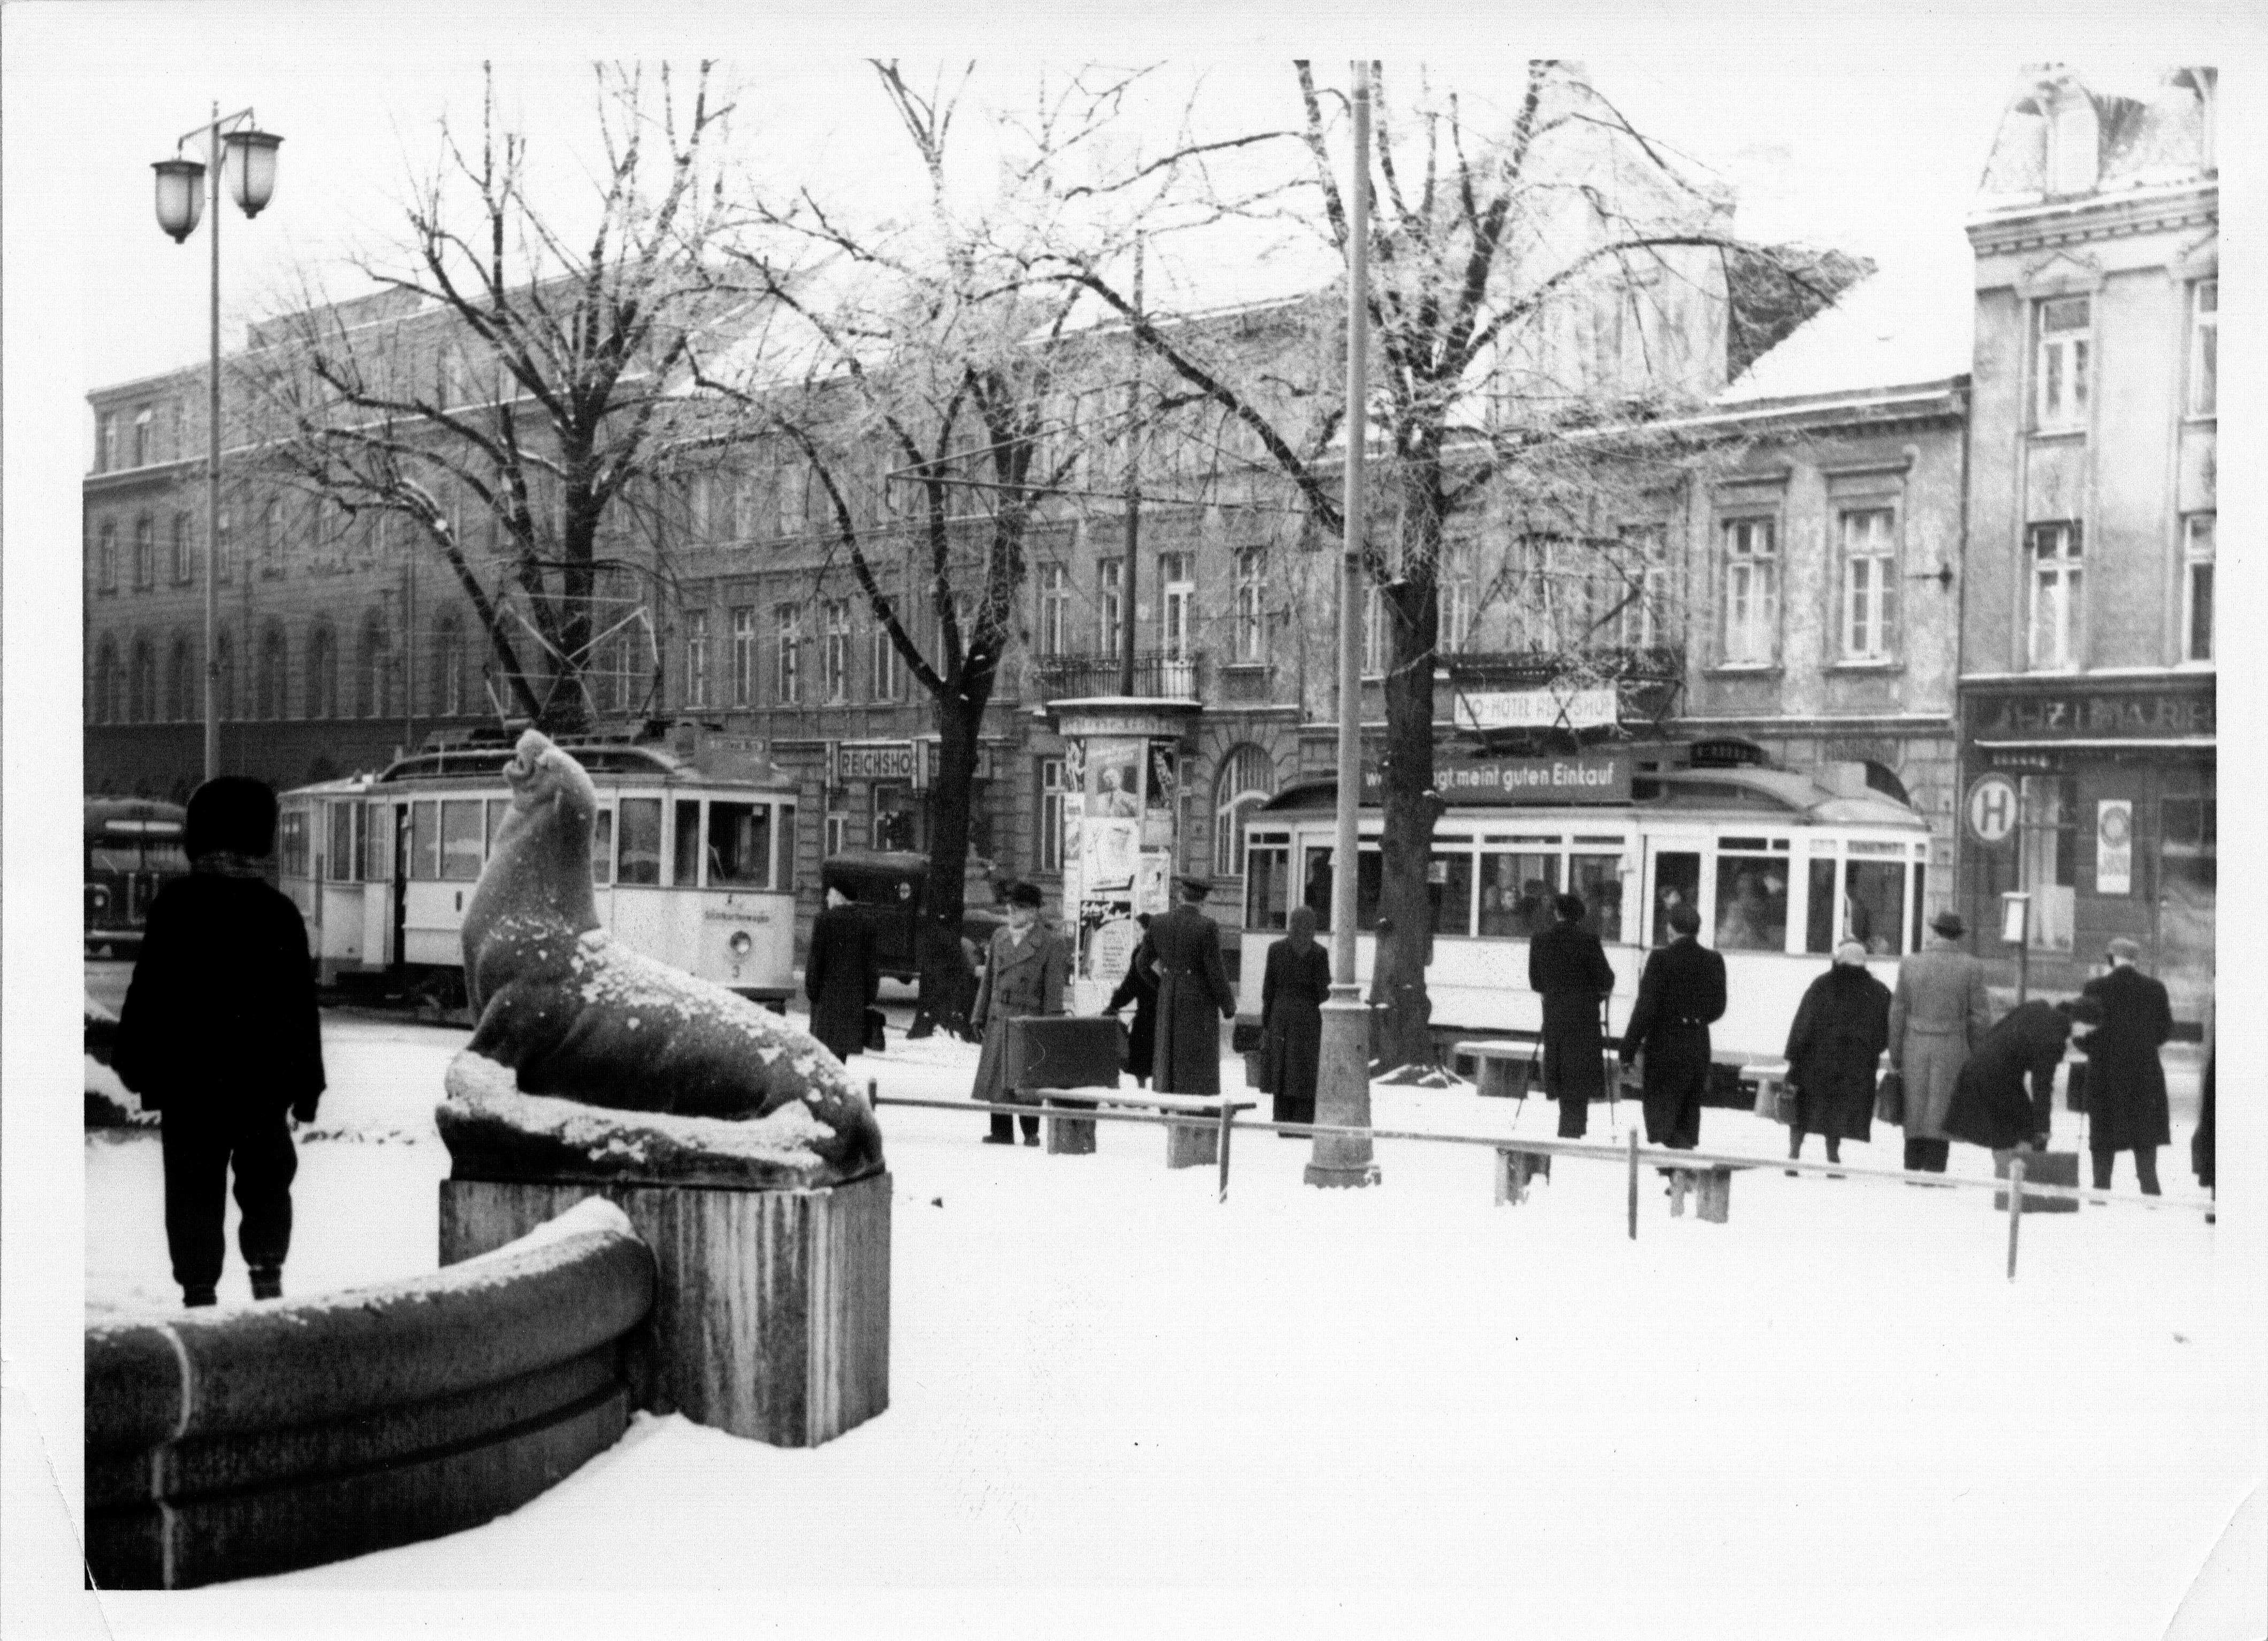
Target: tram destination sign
x: 1602, y: 778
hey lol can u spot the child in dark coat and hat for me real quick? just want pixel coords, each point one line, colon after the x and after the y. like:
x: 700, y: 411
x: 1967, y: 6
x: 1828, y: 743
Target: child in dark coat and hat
x: 219, y: 1033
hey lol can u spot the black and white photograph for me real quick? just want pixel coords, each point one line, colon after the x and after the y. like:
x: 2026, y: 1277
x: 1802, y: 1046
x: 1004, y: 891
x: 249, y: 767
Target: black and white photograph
x: 663, y: 605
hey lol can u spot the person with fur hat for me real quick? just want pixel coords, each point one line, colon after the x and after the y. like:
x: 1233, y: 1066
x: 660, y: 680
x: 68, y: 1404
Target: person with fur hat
x: 1939, y: 1013
x: 220, y: 1034
x: 2125, y: 1079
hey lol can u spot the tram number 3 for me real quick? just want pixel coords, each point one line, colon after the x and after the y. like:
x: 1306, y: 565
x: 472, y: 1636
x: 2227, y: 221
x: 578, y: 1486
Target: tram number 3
x: 1991, y: 808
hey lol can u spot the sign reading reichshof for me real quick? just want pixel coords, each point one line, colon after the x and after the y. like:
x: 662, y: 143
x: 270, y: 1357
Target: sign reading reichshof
x: 873, y: 761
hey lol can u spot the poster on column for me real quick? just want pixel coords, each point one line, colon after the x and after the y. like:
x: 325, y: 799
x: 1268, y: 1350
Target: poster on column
x: 1110, y: 856
x: 2114, y: 847
x: 1160, y: 797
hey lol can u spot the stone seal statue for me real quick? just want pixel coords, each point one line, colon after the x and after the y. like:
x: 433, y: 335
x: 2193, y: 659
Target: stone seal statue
x: 696, y: 1081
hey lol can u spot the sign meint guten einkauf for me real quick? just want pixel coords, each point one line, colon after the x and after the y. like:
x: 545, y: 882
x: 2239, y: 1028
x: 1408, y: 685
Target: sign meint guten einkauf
x: 1579, y: 778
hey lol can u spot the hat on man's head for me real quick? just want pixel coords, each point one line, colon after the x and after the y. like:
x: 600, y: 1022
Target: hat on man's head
x: 232, y: 813
x: 1683, y: 919
x: 2081, y: 1011
x: 1949, y: 925
x: 1026, y: 894
x: 1570, y: 908
x: 1192, y: 887
x: 2130, y: 950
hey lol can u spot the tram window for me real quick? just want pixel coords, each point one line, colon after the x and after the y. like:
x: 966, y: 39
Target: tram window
x: 1516, y: 893
x: 425, y: 841
x: 345, y: 858
x: 1913, y: 938
x: 1875, y: 892
x: 1369, y: 882
x: 1317, y: 894
x: 640, y: 827
x: 783, y: 879
x: 1820, y: 906
x: 685, y: 853
x: 377, y: 845
x: 740, y: 846
x: 461, y: 839
x: 292, y: 844
x: 602, y: 847
x: 1598, y: 879
x: 1676, y: 882
x: 1449, y: 881
x: 498, y: 807
x: 1266, y: 888
x: 1751, y: 904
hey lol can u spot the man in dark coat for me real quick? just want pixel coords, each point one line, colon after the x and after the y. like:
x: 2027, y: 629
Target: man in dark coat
x: 1025, y: 969
x: 1193, y: 994
x: 220, y: 1034
x: 840, y: 975
x: 1682, y: 991
x: 1292, y: 992
x: 2125, y: 1080
x: 1841, y: 1028
x: 1568, y: 966
x: 1139, y: 988
x: 1990, y: 1106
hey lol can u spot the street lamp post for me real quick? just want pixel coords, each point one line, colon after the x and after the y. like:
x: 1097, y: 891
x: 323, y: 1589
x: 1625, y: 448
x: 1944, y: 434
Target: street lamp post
x: 1343, y: 1081
x: 248, y: 157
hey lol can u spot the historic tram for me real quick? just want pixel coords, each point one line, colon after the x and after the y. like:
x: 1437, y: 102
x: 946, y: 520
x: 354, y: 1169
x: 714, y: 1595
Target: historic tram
x: 1780, y: 866
x: 132, y: 847
x: 692, y: 862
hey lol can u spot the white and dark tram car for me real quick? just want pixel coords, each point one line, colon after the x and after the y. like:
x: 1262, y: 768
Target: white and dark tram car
x: 1779, y: 863
x: 692, y: 862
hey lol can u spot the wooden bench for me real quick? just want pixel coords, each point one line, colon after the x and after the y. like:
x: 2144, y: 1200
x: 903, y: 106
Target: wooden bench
x: 1760, y: 1077
x: 1503, y: 1066
x: 1516, y: 1166
x: 1187, y: 1144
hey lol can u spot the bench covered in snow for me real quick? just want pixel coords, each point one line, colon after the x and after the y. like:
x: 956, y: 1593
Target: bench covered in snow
x: 1187, y: 1144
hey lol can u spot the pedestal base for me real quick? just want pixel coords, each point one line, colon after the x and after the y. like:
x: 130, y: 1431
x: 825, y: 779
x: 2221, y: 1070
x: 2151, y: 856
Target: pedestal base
x: 771, y: 1314
x: 1192, y: 1145
x: 1343, y: 1095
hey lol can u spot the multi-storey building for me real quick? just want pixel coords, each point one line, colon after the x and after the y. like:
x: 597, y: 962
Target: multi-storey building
x: 2088, y: 648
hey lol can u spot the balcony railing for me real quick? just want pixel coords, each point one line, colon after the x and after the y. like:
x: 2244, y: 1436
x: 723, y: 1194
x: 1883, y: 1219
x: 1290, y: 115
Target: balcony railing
x: 1157, y: 676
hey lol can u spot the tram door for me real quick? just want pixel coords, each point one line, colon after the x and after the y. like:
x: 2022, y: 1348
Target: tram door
x: 1673, y: 878
x: 397, y: 948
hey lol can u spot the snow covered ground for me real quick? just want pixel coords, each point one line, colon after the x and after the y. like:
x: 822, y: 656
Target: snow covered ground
x: 1833, y: 1416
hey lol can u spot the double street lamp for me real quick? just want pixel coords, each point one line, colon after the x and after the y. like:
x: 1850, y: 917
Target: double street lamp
x: 247, y: 156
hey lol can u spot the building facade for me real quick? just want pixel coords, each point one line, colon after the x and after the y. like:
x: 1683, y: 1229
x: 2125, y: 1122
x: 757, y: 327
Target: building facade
x: 2087, y: 690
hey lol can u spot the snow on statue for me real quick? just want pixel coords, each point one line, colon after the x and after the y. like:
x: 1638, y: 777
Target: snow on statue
x: 569, y: 1018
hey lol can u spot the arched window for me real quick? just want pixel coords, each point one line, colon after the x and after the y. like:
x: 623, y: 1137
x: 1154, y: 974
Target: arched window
x: 322, y: 696
x: 273, y: 657
x: 142, y: 683
x: 374, y: 669
x: 224, y: 673
x: 1246, y: 780
x: 103, y: 690
x: 449, y: 669
x: 181, y: 700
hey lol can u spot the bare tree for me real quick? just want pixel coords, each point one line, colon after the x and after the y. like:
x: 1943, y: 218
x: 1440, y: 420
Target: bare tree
x: 518, y: 376
x: 1541, y: 291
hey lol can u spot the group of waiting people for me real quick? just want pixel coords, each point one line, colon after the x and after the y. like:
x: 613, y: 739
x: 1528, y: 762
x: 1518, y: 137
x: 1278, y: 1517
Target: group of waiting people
x: 1959, y: 1074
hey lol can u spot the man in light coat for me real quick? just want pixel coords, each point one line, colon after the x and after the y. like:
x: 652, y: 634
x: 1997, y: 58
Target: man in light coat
x: 1025, y: 971
x: 1939, y: 1013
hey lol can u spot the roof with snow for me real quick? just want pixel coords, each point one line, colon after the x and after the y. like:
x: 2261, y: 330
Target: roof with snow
x: 1891, y: 329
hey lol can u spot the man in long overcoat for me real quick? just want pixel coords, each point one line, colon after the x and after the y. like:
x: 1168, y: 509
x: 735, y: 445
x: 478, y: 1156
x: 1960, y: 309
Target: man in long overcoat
x: 1680, y: 993
x: 1841, y: 1028
x: 1990, y: 1106
x: 1939, y: 1013
x: 1183, y: 945
x: 2125, y: 1079
x: 1025, y: 971
x: 1568, y: 966
x: 840, y: 976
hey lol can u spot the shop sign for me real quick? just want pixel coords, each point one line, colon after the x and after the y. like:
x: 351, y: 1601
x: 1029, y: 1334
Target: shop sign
x: 1602, y: 777
x: 2114, y: 846
x: 2080, y: 714
x: 1536, y: 709
x: 873, y: 761
x: 1991, y: 808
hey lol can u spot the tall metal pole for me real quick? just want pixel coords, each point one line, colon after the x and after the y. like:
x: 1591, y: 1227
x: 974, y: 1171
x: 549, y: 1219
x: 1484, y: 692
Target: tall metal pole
x: 212, y: 463
x: 1343, y: 1085
x: 1128, y: 574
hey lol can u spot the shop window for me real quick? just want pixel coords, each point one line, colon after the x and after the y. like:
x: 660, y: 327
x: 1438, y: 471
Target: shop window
x: 2187, y: 882
x: 2047, y: 829
x: 1751, y: 902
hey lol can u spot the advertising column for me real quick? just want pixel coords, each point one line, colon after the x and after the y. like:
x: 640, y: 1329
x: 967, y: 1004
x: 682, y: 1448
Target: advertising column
x: 1120, y: 808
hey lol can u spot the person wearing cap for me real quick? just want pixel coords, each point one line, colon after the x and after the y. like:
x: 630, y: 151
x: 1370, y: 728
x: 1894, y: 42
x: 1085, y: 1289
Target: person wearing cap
x: 220, y: 1034
x: 1025, y: 969
x: 1568, y: 968
x: 1990, y: 1106
x: 1841, y: 1028
x: 1183, y: 946
x: 2125, y: 1079
x: 1680, y: 993
x: 1939, y: 1013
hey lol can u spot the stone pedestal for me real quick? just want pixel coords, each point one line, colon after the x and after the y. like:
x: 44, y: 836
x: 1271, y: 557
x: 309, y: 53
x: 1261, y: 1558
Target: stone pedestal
x: 1068, y: 1135
x: 1343, y: 1095
x: 771, y: 1314
x: 1192, y: 1144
